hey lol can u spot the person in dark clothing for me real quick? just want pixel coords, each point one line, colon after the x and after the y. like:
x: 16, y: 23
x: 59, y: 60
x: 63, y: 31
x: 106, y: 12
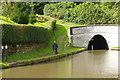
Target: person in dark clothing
x: 55, y: 46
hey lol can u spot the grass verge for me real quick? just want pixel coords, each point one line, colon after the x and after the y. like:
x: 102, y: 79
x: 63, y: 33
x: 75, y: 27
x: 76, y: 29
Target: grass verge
x: 46, y: 50
x: 42, y: 51
x: 116, y: 48
x: 70, y: 50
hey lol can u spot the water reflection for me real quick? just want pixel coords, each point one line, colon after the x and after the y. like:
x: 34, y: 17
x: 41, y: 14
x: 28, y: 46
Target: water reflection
x: 97, y: 63
x: 87, y: 64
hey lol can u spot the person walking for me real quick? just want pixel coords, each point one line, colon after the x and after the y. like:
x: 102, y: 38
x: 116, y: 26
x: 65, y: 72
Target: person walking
x: 55, y: 46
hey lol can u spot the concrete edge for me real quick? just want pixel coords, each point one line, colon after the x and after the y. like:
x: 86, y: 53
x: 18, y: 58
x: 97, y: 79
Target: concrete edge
x: 25, y: 63
x: 117, y: 49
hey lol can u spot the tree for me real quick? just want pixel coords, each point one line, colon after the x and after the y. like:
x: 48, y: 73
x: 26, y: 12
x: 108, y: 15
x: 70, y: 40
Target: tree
x: 7, y: 9
x: 20, y: 13
x: 39, y: 6
x: 32, y: 17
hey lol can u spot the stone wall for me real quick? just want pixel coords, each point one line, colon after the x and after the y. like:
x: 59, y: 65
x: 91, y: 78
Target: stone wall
x: 22, y: 48
x: 80, y: 36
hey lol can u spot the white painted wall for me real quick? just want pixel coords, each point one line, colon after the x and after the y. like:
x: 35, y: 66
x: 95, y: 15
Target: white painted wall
x: 82, y: 35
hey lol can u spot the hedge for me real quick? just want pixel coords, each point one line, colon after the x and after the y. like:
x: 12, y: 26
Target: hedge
x: 17, y: 34
x: 22, y: 34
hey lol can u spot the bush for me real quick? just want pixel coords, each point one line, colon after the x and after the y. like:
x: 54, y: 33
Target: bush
x: 51, y: 24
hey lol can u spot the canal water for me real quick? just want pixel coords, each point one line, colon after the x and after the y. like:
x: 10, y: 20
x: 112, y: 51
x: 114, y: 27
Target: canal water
x: 87, y: 64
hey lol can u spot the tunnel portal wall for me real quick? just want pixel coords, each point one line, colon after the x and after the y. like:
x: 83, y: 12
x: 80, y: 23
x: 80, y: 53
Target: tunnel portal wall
x: 80, y: 36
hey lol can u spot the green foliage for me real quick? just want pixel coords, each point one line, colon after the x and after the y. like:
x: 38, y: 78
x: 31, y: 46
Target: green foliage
x: 111, y: 9
x: 17, y: 34
x: 46, y: 18
x: 84, y: 13
x: 6, y: 21
x: 30, y: 58
x: 4, y: 65
x: 6, y: 9
x: 56, y: 10
x: 51, y: 24
x: 44, y: 50
x: 21, y: 34
x: 32, y: 17
x: 20, y: 13
x: 10, y: 34
x: 39, y: 6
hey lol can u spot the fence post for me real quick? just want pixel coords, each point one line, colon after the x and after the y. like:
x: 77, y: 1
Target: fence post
x: 6, y: 47
x: 2, y: 48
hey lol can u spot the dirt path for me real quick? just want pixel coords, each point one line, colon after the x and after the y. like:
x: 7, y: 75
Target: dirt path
x: 60, y: 41
x: 60, y: 46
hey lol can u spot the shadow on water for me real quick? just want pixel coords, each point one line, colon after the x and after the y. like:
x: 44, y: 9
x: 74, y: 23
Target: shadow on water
x: 103, y: 51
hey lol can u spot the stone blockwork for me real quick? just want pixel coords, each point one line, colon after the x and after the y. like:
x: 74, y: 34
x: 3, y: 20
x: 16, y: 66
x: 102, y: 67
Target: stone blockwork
x: 81, y: 35
x: 22, y: 48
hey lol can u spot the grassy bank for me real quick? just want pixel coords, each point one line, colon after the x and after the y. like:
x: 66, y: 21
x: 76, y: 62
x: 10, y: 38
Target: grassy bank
x: 42, y: 51
x: 70, y: 50
x: 3, y: 20
x: 39, y: 22
x: 117, y: 47
x: 37, y: 60
x: 46, y: 50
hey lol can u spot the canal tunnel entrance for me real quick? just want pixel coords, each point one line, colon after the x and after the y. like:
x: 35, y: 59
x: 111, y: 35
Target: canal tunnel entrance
x: 97, y: 42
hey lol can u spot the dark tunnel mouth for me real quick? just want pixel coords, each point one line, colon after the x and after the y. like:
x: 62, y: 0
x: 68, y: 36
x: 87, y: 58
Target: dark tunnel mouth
x: 98, y: 42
